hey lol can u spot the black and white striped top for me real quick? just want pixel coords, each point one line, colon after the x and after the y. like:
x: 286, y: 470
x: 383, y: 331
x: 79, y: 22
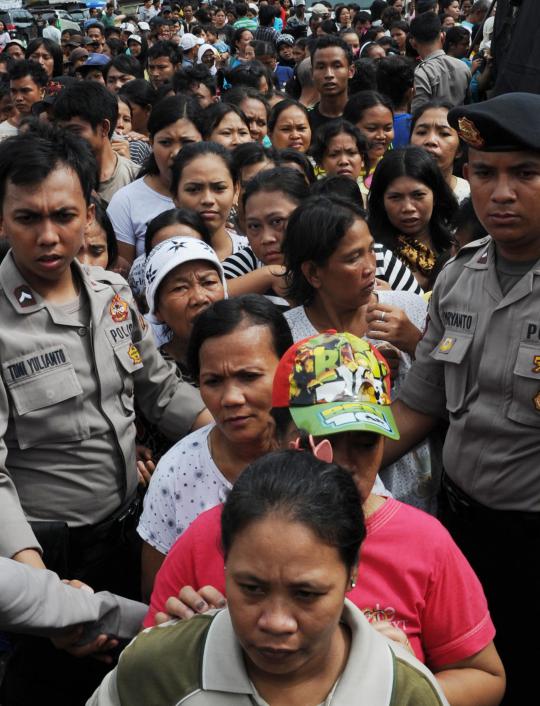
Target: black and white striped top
x: 389, y: 268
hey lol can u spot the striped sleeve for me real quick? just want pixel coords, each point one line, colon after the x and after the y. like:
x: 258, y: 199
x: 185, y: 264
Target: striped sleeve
x: 241, y: 263
x: 394, y: 271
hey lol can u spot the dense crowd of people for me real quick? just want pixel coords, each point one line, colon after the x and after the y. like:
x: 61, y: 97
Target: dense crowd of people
x: 270, y: 358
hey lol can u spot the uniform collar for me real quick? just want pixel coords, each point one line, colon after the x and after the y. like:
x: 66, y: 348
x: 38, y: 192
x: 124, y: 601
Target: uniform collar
x: 23, y: 298
x: 369, y: 670
x: 484, y: 256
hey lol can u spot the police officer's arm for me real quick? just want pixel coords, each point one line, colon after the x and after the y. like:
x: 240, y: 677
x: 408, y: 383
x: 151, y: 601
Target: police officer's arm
x: 421, y: 402
x: 16, y: 537
x: 39, y: 603
x: 175, y: 406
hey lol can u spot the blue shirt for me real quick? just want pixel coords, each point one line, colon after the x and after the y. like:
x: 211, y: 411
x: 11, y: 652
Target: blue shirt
x: 402, y: 129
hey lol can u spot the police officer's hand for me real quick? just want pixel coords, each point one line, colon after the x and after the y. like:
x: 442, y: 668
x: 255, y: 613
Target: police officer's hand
x: 190, y: 602
x: 98, y: 648
x: 389, y: 323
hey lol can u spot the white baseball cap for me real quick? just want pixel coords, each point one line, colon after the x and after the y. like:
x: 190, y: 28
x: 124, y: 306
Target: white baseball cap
x: 188, y: 41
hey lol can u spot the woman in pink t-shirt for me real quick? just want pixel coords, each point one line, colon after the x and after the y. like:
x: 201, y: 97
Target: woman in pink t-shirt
x: 414, y: 584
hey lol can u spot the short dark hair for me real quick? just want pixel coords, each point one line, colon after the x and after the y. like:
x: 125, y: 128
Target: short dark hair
x: 172, y: 217
x: 138, y: 92
x: 52, y: 48
x: 288, y: 154
x: 249, y: 153
x: 212, y: 116
x: 284, y: 179
x: 362, y: 101
x: 187, y: 77
x: 281, y: 107
x: 23, y: 68
x: 418, y: 164
x: 267, y: 15
x: 196, y: 150
x: 426, y: 28
x: 241, y: 9
x: 299, y: 487
x: 223, y: 317
x: 423, y: 6
x: 454, y: 35
x: 264, y: 48
x: 166, y: 112
x: 103, y: 220
x: 395, y: 76
x: 88, y: 100
x: 330, y: 40
x: 365, y: 76
x: 126, y: 64
x: 314, y: 232
x: 238, y: 94
x: 168, y: 49
x: 326, y: 132
x: 339, y: 186
x: 29, y: 158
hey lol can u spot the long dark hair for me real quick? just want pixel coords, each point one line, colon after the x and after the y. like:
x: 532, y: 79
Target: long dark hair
x: 416, y: 163
x: 54, y: 50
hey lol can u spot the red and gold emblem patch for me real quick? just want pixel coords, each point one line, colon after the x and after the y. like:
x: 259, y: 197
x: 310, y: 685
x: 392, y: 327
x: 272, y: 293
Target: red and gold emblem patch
x: 470, y: 134
x: 118, y: 309
x: 134, y: 354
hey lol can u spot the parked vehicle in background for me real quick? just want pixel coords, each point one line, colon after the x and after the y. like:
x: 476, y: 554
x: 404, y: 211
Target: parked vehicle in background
x: 20, y: 24
x: 65, y: 19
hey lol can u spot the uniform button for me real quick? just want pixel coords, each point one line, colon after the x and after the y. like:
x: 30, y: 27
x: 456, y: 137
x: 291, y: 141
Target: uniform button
x: 82, y: 331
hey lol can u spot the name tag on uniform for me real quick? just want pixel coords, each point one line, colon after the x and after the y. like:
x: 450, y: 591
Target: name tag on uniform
x: 119, y: 334
x: 35, y: 364
x: 459, y: 320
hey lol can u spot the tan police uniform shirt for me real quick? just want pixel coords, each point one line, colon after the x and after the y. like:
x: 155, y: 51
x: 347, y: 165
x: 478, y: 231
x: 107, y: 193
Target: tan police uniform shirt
x: 68, y: 379
x: 479, y: 364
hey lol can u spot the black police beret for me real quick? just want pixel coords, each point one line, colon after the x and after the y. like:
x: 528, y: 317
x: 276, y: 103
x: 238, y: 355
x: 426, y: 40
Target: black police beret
x: 510, y: 122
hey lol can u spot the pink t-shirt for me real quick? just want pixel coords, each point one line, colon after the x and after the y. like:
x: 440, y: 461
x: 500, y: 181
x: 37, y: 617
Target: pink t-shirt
x: 411, y: 573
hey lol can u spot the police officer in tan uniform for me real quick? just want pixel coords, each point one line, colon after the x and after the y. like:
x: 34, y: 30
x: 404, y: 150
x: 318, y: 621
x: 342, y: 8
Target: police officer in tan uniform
x: 478, y: 365
x: 74, y: 352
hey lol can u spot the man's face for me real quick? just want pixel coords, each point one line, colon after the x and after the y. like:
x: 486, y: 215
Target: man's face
x: 116, y: 79
x: 45, y: 225
x: 82, y: 128
x: 331, y: 72
x: 24, y: 93
x: 160, y: 70
x: 505, y: 191
x: 95, y: 75
x: 15, y: 52
x: 202, y: 94
x: 98, y: 40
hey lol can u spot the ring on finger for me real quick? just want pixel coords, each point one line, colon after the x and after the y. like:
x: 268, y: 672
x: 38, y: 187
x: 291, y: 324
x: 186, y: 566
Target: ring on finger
x: 382, y: 316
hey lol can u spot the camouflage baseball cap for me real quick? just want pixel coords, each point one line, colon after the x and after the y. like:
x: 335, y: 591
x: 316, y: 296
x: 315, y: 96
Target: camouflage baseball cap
x: 335, y: 382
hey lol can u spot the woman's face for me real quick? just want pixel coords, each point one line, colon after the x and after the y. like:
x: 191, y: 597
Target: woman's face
x: 15, y: 52
x: 42, y: 56
x: 236, y: 373
x: 466, y: 7
x: 245, y: 38
x: 409, y: 206
x: 347, y: 278
x: 94, y: 251
x: 255, y: 113
x: 123, y: 124
x: 266, y: 217
x: 139, y: 118
x: 168, y: 142
x: 453, y: 10
x: 342, y: 157
x: 206, y: 186
x: 135, y: 48
x: 220, y: 18
x: 377, y: 124
x: 184, y: 293
x: 448, y: 22
x: 231, y: 131
x: 344, y: 17
x: 209, y: 58
x: 285, y: 593
x: 353, y: 41
x: 434, y: 134
x: 2, y: 27
x: 292, y: 130
x: 399, y: 37
x: 299, y: 53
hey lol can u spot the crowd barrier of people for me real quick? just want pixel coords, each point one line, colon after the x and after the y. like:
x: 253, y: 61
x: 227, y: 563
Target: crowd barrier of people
x: 270, y: 359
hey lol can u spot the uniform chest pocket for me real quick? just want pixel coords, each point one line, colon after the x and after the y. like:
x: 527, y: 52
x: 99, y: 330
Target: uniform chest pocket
x: 129, y: 359
x: 48, y: 409
x: 452, y: 350
x: 525, y: 405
